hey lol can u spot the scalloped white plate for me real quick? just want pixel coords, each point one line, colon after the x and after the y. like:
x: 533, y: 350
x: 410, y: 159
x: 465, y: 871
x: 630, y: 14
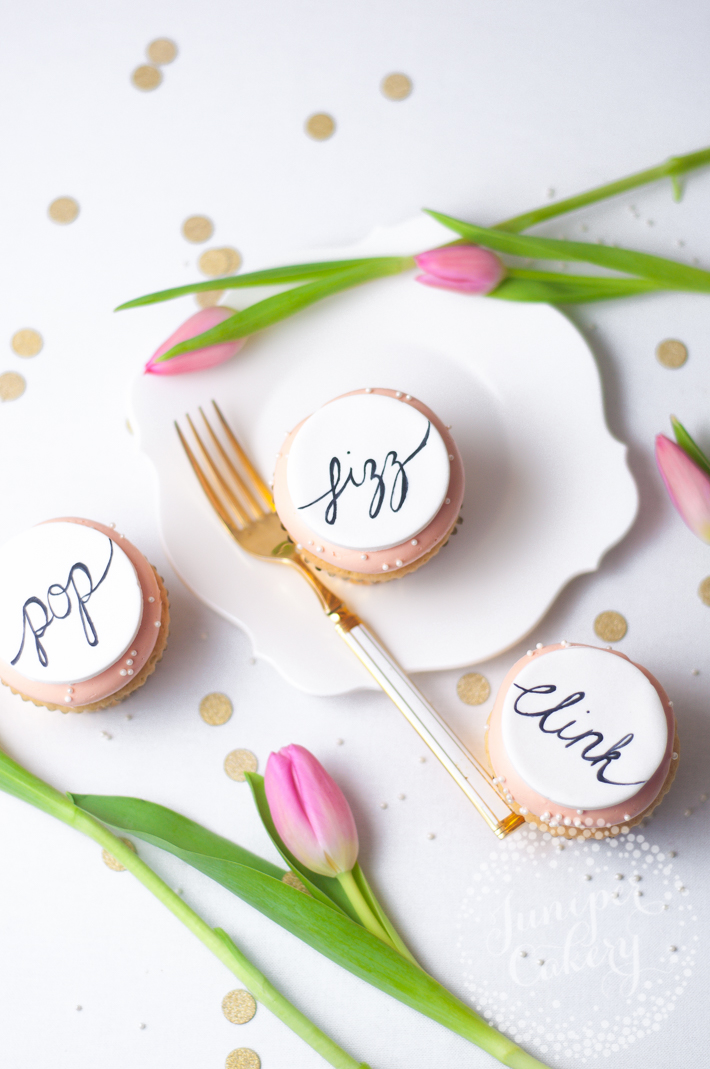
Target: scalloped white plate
x: 548, y: 490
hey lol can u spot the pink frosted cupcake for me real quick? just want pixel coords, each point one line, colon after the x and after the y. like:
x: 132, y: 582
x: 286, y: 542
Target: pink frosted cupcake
x: 582, y: 741
x: 370, y: 486
x: 84, y: 617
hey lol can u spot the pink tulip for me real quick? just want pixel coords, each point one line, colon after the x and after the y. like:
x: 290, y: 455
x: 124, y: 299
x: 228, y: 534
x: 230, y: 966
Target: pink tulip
x: 310, y: 812
x: 687, y: 484
x: 466, y: 268
x: 200, y: 358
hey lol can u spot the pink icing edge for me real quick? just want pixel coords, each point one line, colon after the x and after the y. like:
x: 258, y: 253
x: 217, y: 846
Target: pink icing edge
x: 524, y: 795
x: 108, y: 681
x: 350, y: 559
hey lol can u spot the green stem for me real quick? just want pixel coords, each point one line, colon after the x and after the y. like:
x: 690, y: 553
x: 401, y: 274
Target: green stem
x: 672, y: 168
x: 22, y: 784
x: 366, y: 916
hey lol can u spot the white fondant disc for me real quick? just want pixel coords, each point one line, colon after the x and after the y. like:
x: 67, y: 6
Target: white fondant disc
x: 70, y: 603
x: 367, y: 471
x: 619, y: 703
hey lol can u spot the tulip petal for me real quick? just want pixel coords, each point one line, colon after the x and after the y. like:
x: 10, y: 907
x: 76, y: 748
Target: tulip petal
x: 310, y: 812
x: 465, y: 268
x: 687, y: 485
x: 199, y: 359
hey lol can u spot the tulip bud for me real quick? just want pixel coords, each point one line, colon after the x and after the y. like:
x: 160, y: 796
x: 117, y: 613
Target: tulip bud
x: 310, y: 812
x: 466, y: 268
x: 687, y: 484
x: 200, y: 359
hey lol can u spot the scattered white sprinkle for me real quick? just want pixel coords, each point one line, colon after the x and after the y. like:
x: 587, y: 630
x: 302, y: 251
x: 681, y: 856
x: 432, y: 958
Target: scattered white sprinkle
x: 415, y: 541
x: 383, y: 805
x: 430, y: 835
x: 252, y: 660
x: 627, y: 816
x: 368, y: 390
x: 639, y: 894
x: 123, y: 672
x: 551, y: 192
x: 105, y: 735
x: 580, y: 811
x: 635, y: 878
x: 398, y: 393
x: 112, y: 526
x: 398, y: 563
x: 408, y: 397
x: 614, y: 894
x: 80, y: 1007
x: 451, y: 456
x: 129, y: 661
x: 141, y: 1026
x: 538, y: 645
x: 363, y: 556
x: 587, y: 876
x: 401, y: 797
x: 298, y: 545
x: 672, y: 950
x: 650, y: 222
x: 319, y: 549
x: 70, y: 690
x: 541, y: 961
x: 568, y: 821
x: 564, y: 642
x: 501, y: 779
x: 703, y: 797
x: 619, y: 876
x: 134, y: 653
x: 422, y: 760
x: 151, y: 600
x: 523, y: 953
x: 130, y: 671
x: 671, y: 853
x: 524, y: 809
x: 339, y: 742
x: 695, y: 671
x: 157, y: 623
x: 529, y: 653
x: 129, y: 716
x: 674, y: 756
x: 385, y: 567
x: 688, y: 813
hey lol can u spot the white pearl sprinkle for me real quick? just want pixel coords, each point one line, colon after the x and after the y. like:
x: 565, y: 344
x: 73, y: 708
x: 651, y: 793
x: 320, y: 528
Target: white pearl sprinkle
x: 398, y: 393
x: 123, y: 672
x: 541, y: 961
x: 157, y: 623
x: 415, y: 541
x: 130, y: 671
x: 451, y: 456
x: 70, y: 690
x: 310, y: 541
x: 619, y: 876
x: 368, y: 390
x: 298, y: 545
x: 385, y: 567
x: 529, y: 653
x: 151, y: 600
x: 129, y: 661
x: 671, y: 853
x: 501, y: 779
x: 627, y: 816
x: 564, y: 642
x: 578, y: 823
x: 319, y: 549
x: 674, y: 756
x: 639, y: 894
x: 134, y: 653
x: 363, y: 556
x: 401, y: 797
x: 703, y: 797
x: 688, y: 813
x: 587, y: 876
x: 523, y: 953
x: 672, y: 949
x: 568, y: 821
x: 383, y: 805
x: 398, y: 563
x: 112, y: 526
x: 447, y: 501
x: 430, y: 835
x: 636, y: 878
x: 339, y: 742
x: 69, y: 699
x: 524, y: 809
x: 580, y: 811
x: 408, y: 397
x: 614, y: 894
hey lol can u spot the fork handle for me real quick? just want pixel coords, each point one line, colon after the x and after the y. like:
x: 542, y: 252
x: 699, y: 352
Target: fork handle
x: 462, y: 766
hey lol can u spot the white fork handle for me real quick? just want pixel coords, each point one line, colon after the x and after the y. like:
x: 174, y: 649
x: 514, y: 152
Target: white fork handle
x: 462, y: 766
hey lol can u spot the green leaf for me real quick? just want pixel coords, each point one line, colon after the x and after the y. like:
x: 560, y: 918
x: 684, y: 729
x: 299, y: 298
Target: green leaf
x: 322, y: 926
x: 669, y: 273
x: 325, y: 888
x: 272, y: 276
x: 281, y: 305
x: 369, y: 896
x: 159, y: 825
x: 689, y: 446
x: 522, y: 285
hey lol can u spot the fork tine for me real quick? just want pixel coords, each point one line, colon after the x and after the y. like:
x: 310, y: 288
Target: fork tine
x: 207, y: 487
x: 243, y: 487
x: 232, y: 499
x: 254, y: 474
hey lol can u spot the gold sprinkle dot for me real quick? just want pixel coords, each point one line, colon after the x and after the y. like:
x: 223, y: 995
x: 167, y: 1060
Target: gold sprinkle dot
x: 396, y: 86
x: 671, y: 353
x: 292, y: 880
x: 320, y: 126
x: 27, y: 342
x: 238, y: 762
x: 12, y: 386
x: 704, y: 590
x: 473, y: 688
x: 197, y: 228
x: 146, y: 77
x: 610, y: 626
x: 243, y: 1058
x: 216, y: 262
x: 208, y: 298
x: 63, y: 210
x: 110, y: 861
x: 238, y: 1006
x: 215, y: 708
x: 161, y: 51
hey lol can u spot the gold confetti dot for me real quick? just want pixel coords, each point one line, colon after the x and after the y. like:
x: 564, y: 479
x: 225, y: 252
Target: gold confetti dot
x: 208, y: 298
x: 396, y: 86
x: 238, y: 762
x: 216, y: 262
x: 292, y: 880
x: 12, y: 386
x: 161, y: 51
x: 110, y: 861
x: 610, y: 626
x: 238, y: 1006
x: 215, y: 708
x: 146, y: 77
x: 197, y: 228
x: 63, y: 210
x: 671, y: 353
x: 473, y: 688
x: 320, y: 126
x: 27, y: 342
x: 704, y: 590
x: 243, y: 1058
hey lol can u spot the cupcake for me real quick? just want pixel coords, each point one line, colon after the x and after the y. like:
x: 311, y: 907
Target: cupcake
x: 83, y: 616
x: 582, y: 741
x: 370, y: 486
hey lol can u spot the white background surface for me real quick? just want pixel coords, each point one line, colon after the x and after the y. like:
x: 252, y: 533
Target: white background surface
x: 510, y: 99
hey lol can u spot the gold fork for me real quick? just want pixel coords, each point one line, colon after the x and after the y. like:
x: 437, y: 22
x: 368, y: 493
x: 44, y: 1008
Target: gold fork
x: 244, y: 504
